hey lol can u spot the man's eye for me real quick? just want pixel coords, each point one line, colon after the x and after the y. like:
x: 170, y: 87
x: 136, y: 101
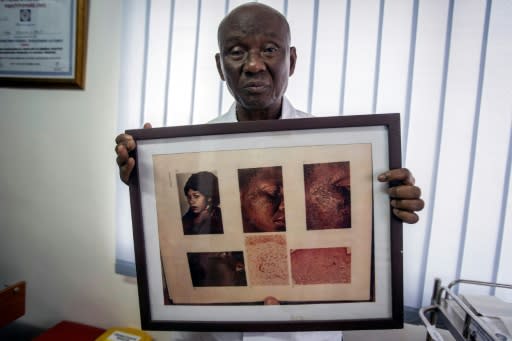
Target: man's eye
x: 270, y: 50
x: 236, y: 53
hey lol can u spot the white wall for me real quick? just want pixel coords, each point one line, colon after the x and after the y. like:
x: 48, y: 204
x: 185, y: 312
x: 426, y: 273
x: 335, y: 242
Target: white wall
x: 57, y: 182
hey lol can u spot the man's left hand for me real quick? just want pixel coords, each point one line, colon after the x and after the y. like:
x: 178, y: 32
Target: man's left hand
x: 405, y: 197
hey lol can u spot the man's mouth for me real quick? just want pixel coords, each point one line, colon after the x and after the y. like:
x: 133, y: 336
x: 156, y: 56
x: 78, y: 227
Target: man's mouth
x: 255, y: 87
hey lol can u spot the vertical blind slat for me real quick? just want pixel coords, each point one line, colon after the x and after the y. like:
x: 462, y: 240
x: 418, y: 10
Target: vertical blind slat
x: 156, y: 62
x: 168, y: 68
x: 504, y: 274
x: 207, y: 100
x: 425, y: 125
x: 346, y: 41
x: 328, y: 59
x: 300, y: 17
x: 411, y: 62
x: 378, y: 51
x: 194, y: 70
x: 455, y: 146
x: 312, y: 61
x: 393, y: 65
x: 182, y: 68
x: 361, y: 56
x: 500, y: 261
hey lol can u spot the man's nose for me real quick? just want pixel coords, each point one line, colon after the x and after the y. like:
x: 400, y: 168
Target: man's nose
x: 254, y: 63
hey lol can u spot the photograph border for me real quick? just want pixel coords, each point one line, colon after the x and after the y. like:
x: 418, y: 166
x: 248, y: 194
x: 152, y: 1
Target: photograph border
x: 174, y: 135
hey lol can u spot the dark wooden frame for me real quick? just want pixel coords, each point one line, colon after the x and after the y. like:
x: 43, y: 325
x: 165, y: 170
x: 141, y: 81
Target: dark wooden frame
x: 390, y: 121
x: 77, y: 81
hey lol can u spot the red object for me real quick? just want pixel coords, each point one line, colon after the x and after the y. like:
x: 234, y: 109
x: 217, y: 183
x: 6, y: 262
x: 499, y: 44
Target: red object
x: 67, y: 330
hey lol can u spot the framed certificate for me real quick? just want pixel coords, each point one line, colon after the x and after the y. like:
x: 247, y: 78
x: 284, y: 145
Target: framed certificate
x: 43, y: 43
x: 226, y: 215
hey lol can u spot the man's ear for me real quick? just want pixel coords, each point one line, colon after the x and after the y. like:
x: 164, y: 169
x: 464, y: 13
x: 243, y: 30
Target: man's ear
x: 293, y: 59
x: 219, y: 67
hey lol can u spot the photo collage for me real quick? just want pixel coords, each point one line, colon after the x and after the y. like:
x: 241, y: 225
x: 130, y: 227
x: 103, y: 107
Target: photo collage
x: 238, y: 229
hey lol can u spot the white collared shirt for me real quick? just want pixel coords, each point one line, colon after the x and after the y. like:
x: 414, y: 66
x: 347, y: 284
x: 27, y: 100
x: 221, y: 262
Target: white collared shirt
x: 287, y: 112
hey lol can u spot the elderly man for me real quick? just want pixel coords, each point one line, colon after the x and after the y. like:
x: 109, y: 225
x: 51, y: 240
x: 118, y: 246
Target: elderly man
x: 255, y: 59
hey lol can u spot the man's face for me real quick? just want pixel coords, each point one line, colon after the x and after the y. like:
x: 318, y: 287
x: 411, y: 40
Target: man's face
x: 327, y: 190
x: 255, y: 58
x: 262, y: 201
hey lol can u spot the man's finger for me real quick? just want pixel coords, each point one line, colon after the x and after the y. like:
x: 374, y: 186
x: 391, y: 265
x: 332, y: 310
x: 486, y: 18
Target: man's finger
x: 406, y: 216
x: 121, y: 150
x: 400, y: 174
x: 269, y: 300
x: 127, y: 141
x: 408, y: 205
x: 126, y: 170
x: 405, y: 192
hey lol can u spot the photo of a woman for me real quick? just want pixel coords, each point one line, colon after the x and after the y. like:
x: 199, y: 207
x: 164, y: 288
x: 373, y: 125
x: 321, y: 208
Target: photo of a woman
x: 202, y: 195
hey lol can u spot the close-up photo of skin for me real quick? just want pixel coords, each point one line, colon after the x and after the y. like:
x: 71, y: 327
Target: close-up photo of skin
x: 262, y: 199
x: 321, y: 265
x: 327, y: 193
x: 217, y: 269
x: 267, y: 260
x: 203, y: 214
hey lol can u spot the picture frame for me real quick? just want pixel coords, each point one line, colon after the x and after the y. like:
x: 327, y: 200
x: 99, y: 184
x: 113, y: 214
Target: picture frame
x: 43, y: 44
x: 343, y: 274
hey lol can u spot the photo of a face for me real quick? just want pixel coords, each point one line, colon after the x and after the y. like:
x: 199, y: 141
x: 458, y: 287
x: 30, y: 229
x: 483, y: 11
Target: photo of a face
x: 327, y: 193
x: 200, y: 202
x: 321, y: 265
x: 217, y: 269
x: 262, y: 199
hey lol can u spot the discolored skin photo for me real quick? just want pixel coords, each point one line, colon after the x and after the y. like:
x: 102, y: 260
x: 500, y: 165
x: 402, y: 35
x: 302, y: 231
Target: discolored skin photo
x: 262, y: 199
x: 217, y: 269
x: 267, y: 259
x: 327, y: 192
x: 203, y: 214
x: 321, y: 265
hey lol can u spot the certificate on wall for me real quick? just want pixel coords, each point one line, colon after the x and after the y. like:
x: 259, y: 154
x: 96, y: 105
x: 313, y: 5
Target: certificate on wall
x: 42, y: 43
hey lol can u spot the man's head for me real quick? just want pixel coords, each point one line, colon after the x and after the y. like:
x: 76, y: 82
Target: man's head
x: 255, y: 59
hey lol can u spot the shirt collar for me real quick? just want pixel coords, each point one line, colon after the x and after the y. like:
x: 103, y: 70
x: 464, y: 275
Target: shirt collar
x: 287, y: 110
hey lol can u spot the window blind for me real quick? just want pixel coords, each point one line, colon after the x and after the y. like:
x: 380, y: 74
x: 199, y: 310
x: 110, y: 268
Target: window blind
x: 443, y: 64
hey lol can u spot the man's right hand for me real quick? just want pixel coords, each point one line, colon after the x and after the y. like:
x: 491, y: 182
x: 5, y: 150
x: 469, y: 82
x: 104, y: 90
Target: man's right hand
x: 125, y: 144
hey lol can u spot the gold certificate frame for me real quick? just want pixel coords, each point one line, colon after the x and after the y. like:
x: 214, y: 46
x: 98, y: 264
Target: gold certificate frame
x: 226, y: 215
x: 43, y: 43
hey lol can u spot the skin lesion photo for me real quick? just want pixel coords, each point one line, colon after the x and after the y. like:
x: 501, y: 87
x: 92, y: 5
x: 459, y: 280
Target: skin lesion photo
x: 321, y: 265
x: 267, y: 259
x: 262, y: 199
x: 200, y: 203
x: 217, y: 269
x: 327, y: 193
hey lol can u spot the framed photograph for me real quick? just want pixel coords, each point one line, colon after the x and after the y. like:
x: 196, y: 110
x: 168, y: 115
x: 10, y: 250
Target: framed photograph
x: 43, y: 43
x: 226, y: 215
